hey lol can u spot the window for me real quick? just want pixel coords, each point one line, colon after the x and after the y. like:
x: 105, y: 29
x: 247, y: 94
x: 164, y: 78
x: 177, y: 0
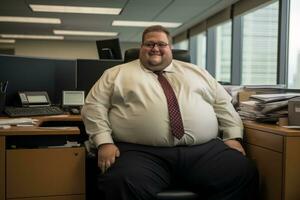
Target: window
x: 260, y: 46
x: 198, y: 49
x: 294, y: 46
x: 223, y: 52
x: 182, y: 45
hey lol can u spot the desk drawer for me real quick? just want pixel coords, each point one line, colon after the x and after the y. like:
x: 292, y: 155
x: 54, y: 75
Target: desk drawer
x: 264, y: 139
x: 269, y: 165
x: 45, y: 172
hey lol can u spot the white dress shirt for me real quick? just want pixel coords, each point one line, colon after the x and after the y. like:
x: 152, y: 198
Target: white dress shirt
x: 127, y: 104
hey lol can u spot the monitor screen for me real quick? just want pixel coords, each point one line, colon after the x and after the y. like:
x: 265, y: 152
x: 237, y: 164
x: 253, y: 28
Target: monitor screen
x: 109, y: 49
x: 73, y: 98
x: 37, y: 74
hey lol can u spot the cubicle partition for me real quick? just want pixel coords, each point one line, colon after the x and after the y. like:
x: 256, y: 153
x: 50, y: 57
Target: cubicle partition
x: 37, y: 74
x: 50, y: 75
x: 89, y: 71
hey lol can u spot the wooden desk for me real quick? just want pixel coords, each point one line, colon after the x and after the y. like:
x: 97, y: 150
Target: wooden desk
x: 276, y: 152
x: 42, y: 173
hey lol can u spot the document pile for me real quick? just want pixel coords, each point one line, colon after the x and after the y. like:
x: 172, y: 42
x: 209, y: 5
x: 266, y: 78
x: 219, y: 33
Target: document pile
x: 266, y: 107
x: 5, y: 123
x: 234, y: 90
x: 265, y: 89
x: 67, y: 144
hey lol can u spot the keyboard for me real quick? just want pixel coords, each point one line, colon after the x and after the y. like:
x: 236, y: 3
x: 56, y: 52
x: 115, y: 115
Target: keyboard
x: 32, y: 111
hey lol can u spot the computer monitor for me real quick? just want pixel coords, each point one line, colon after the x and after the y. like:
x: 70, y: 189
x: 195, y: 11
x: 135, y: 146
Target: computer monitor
x: 37, y: 74
x: 109, y: 49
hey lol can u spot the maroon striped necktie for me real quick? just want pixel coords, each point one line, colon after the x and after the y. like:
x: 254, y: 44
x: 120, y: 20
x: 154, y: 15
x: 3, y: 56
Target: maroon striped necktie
x: 176, y: 124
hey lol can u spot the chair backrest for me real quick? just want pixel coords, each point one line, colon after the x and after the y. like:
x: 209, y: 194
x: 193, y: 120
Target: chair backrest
x: 178, y: 54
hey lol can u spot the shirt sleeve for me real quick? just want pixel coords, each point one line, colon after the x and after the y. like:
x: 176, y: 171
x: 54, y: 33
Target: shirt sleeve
x: 230, y: 123
x: 95, y: 111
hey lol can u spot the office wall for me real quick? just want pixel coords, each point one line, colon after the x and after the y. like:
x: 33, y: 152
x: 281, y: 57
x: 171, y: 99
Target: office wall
x: 62, y: 49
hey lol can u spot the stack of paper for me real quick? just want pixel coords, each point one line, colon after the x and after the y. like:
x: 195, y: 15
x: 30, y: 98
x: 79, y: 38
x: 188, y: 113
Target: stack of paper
x: 233, y: 90
x: 266, y: 107
x: 18, y: 121
x: 266, y: 98
x: 265, y: 89
x: 67, y: 144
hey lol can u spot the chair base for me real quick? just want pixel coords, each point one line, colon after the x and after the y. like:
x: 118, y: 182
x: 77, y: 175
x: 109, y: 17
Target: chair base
x: 177, y: 194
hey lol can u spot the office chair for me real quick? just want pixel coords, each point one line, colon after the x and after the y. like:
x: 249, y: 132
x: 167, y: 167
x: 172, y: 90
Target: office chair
x: 174, y: 192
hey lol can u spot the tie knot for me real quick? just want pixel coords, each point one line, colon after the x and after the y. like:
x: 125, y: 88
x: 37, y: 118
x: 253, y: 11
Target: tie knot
x: 158, y: 72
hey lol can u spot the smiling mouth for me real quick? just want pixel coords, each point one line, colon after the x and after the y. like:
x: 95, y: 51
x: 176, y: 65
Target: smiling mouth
x: 154, y: 54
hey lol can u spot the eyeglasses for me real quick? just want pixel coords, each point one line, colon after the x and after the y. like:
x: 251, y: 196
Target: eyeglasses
x: 151, y: 45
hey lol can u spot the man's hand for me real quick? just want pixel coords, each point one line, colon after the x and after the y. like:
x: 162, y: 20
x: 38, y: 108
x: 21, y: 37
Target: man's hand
x: 234, y: 144
x: 107, y: 154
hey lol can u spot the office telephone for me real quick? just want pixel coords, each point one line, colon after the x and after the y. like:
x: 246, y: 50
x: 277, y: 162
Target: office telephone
x: 33, y: 104
x: 32, y: 99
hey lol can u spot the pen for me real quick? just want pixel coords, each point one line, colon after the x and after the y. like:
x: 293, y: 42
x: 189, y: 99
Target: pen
x: 5, y: 86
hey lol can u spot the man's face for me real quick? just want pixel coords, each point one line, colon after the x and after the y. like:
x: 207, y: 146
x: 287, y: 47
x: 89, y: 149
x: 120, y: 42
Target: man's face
x: 155, y: 52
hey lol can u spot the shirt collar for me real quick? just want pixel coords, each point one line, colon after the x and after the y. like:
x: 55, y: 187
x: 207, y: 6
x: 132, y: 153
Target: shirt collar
x: 169, y: 68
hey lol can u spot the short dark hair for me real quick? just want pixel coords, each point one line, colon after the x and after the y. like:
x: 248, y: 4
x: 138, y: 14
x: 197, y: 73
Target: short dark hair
x: 156, y: 28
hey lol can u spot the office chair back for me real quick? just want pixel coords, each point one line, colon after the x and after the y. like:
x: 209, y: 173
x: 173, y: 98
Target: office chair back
x: 178, y: 54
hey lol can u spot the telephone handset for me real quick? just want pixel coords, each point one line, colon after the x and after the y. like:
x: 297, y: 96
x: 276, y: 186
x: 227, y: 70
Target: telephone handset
x: 30, y: 99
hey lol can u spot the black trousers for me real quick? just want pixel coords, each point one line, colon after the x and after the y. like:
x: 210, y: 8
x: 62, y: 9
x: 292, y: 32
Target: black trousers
x: 213, y: 170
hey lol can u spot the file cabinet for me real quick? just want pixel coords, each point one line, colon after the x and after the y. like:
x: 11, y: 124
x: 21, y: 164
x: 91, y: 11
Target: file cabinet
x: 44, y: 174
x: 275, y: 150
x: 31, y: 171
